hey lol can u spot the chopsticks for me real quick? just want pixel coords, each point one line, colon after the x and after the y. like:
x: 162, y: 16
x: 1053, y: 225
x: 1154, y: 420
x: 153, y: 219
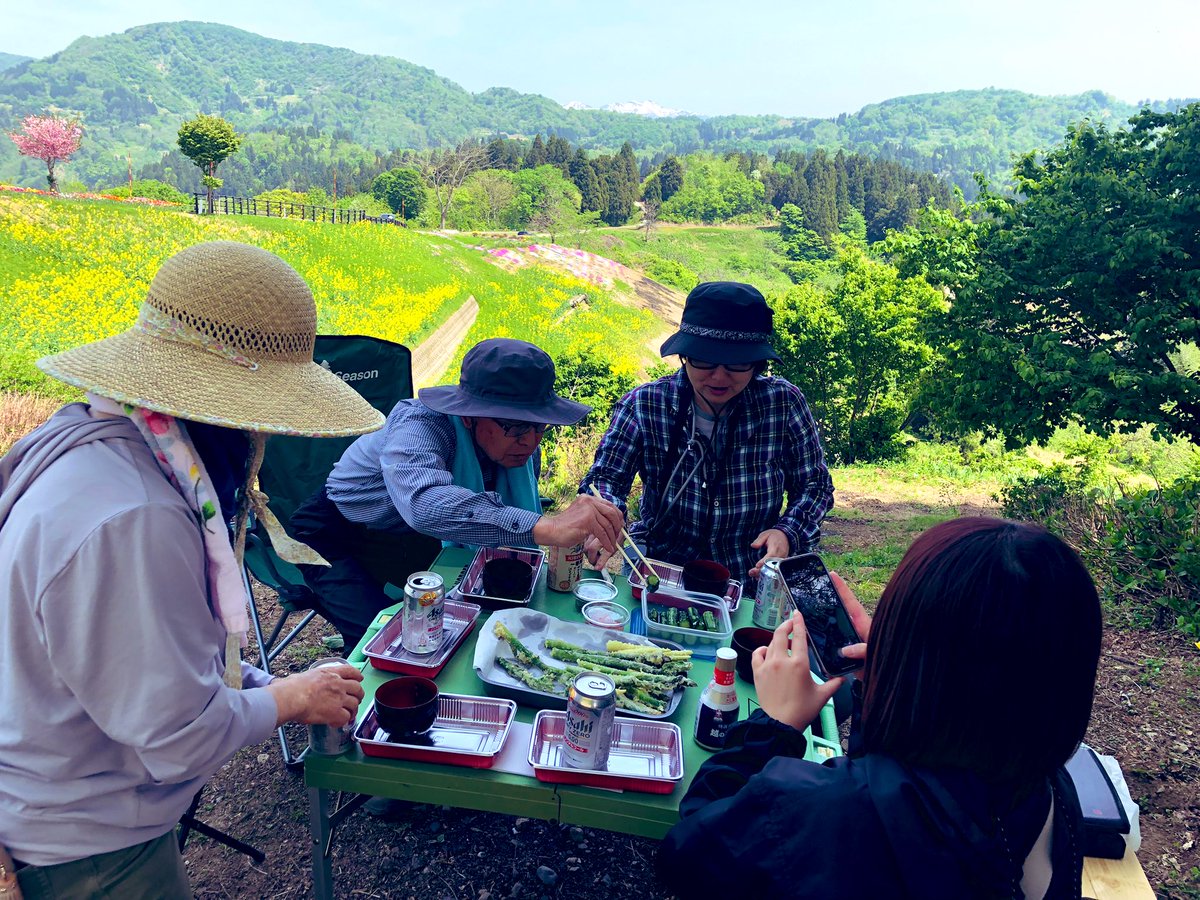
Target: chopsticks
x: 650, y: 573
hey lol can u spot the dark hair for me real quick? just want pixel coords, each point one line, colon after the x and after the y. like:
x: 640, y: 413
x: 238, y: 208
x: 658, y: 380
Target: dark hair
x: 983, y: 652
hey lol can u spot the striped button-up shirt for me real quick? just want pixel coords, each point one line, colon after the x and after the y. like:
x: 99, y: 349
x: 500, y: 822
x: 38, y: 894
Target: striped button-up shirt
x: 770, y: 451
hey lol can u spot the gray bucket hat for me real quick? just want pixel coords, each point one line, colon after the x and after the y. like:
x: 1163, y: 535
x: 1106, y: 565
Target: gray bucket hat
x: 506, y: 379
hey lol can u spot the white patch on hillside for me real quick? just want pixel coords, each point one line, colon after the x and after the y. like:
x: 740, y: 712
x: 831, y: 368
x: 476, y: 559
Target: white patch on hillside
x: 647, y: 108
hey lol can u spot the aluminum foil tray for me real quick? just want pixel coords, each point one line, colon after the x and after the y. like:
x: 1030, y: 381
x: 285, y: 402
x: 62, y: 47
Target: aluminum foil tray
x: 671, y: 576
x: 385, y: 651
x: 469, y: 731
x: 532, y: 628
x: 645, y: 756
x: 470, y: 583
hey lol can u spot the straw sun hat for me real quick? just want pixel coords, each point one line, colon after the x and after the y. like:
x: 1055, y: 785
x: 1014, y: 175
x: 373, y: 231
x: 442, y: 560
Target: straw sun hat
x: 225, y: 336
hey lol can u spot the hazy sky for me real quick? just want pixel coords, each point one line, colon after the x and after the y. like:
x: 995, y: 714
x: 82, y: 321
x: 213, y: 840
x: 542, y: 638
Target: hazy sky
x: 707, y: 56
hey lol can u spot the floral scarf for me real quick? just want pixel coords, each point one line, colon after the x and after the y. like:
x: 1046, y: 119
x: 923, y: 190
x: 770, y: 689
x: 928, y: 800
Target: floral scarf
x: 167, y: 438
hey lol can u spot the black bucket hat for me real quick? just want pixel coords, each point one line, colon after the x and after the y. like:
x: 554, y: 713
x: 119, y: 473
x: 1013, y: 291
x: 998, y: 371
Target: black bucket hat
x: 503, y: 378
x: 724, y: 322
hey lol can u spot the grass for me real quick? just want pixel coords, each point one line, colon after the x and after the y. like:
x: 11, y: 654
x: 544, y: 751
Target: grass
x: 703, y: 253
x: 20, y: 414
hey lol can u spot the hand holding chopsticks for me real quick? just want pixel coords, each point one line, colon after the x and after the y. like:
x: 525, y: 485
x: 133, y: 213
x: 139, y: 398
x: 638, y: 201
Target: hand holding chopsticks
x: 651, y: 575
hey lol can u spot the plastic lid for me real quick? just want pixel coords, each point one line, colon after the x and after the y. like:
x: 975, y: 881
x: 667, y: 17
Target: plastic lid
x: 726, y: 659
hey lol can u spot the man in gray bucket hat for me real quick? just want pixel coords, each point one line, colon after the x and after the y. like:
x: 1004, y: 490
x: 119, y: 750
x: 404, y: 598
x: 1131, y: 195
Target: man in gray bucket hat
x: 458, y: 465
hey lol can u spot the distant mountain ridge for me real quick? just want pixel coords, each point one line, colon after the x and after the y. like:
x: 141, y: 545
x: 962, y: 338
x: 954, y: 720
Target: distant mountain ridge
x: 132, y: 90
x: 8, y: 60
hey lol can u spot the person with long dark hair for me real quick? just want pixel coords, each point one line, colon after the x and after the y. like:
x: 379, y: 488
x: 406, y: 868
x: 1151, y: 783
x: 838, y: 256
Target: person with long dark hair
x: 980, y: 669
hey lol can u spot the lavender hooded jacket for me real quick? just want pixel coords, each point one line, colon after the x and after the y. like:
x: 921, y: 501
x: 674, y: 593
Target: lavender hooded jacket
x: 112, y: 709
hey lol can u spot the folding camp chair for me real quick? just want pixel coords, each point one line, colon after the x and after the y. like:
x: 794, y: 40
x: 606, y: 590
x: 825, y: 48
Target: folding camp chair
x: 294, y: 468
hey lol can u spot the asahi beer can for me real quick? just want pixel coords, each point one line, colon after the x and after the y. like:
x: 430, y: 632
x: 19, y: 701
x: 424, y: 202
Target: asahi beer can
x: 772, y: 601
x: 424, y: 603
x: 325, y: 740
x: 587, y: 734
x: 564, y: 567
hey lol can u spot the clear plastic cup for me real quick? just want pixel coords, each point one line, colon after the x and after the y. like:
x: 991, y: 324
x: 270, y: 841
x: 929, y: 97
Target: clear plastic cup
x: 606, y: 614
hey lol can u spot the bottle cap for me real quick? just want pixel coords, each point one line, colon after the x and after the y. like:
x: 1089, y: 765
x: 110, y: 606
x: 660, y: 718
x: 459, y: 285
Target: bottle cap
x: 726, y: 659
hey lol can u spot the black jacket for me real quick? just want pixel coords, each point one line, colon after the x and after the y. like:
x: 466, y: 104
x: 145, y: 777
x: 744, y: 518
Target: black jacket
x: 760, y: 821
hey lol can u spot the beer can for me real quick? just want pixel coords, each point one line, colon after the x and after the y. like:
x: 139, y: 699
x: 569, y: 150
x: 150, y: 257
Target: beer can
x: 772, y: 600
x: 587, y: 734
x: 564, y: 567
x: 325, y: 740
x: 424, y: 604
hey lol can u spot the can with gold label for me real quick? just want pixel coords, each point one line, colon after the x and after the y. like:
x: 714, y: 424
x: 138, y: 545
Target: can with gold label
x: 564, y: 567
x: 424, y: 602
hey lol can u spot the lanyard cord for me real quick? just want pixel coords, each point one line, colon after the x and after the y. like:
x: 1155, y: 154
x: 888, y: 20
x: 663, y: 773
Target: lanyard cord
x: 692, y: 442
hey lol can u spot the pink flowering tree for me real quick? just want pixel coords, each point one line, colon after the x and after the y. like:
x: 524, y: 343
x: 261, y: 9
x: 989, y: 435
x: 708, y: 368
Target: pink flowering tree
x: 49, y: 138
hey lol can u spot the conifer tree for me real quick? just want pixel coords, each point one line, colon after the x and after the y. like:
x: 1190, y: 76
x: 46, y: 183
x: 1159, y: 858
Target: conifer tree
x: 670, y: 177
x: 536, y: 155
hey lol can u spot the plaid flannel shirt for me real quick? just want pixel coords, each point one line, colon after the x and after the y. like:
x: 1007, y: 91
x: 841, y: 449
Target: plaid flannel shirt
x: 774, y: 450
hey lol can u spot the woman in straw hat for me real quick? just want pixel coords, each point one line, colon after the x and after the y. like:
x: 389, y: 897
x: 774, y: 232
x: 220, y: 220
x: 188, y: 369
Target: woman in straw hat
x: 122, y: 604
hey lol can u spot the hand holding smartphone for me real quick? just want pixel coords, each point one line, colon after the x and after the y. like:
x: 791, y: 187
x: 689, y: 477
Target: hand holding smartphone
x: 826, y: 619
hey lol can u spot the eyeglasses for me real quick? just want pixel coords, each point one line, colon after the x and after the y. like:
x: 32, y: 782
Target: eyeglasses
x: 516, y: 429
x: 737, y: 368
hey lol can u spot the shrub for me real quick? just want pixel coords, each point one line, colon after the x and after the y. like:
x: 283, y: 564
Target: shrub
x: 670, y: 272
x: 1142, y: 548
x: 152, y: 190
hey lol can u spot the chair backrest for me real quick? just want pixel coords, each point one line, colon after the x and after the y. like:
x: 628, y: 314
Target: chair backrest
x: 293, y: 468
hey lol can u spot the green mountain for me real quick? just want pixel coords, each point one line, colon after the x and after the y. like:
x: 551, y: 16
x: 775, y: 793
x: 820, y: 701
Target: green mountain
x: 132, y: 91
x: 8, y: 60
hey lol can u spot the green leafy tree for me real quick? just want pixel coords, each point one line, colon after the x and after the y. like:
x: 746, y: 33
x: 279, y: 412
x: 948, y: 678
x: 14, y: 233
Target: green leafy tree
x: 402, y: 189
x: 497, y: 191
x: 1084, y: 300
x: 800, y: 242
x: 942, y: 246
x: 859, y: 352
x: 553, y: 203
x: 853, y: 227
x: 208, y: 141
x: 714, y: 190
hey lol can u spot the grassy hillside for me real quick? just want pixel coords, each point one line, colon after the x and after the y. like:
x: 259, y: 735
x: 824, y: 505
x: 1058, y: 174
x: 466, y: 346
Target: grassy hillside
x: 683, y: 256
x: 76, y: 271
x: 133, y: 89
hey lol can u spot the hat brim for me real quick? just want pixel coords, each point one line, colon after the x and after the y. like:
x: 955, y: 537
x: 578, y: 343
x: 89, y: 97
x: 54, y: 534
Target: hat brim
x: 453, y: 401
x: 715, y: 350
x: 191, y: 383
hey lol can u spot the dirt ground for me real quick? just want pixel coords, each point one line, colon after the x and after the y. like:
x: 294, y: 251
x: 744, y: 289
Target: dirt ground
x: 1146, y: 714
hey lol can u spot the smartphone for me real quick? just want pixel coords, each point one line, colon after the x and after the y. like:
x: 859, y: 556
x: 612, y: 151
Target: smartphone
x: 825, y: 617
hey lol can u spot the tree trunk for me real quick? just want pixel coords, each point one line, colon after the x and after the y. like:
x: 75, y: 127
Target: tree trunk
x: 50, y: 179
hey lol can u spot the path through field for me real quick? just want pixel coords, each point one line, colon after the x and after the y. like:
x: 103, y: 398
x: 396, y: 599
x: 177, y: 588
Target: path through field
x: 431, y: 359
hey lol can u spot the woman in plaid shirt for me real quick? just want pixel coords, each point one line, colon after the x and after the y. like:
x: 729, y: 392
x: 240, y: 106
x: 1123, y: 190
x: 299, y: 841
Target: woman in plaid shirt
x: 719, y: 445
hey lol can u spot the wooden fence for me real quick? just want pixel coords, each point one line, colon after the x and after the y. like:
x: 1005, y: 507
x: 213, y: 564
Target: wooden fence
x: 249, y: 206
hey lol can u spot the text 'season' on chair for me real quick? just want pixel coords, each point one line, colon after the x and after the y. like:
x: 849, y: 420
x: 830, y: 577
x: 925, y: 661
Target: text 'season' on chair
x: 294, y: 468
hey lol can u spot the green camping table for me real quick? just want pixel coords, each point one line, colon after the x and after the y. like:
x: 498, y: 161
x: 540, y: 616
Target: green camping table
x: 646, y: 815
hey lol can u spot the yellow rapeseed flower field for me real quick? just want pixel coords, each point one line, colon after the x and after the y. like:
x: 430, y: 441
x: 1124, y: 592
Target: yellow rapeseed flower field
x: 76, y: 271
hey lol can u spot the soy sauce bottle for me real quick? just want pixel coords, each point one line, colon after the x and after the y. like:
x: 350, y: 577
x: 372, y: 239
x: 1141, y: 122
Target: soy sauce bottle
x: 718, y: 708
